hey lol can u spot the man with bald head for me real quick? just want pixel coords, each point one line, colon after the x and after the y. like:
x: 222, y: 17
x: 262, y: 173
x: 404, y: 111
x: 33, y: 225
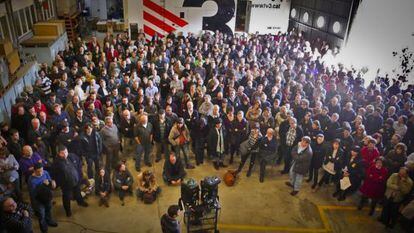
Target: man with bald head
x: 28, y: 160
x: 37, y: 132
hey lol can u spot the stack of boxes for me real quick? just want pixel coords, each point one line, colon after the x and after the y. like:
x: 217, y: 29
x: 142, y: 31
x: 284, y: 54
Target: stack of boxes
x: 10, y: 54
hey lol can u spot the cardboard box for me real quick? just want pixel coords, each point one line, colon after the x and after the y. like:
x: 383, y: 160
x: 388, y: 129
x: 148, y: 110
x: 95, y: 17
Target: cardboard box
x: 58, y: 21
x: 6, y: 47
x: 48, y: 29
x: 13, y: 61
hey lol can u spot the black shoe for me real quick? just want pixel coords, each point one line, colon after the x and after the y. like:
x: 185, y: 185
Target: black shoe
x: 261, y: 179
x: 138, y: 169
x: 289, y: 184
x: 335, y: 194
x: 149, y: 164
x: 69, y: 214
x: 216, y: 166
x: 122, y: 203
x: 293, y: 193
x: 308, y: 180
x: 283, y: 172
x: 189, y: 166
x: 83, y: 204
x: 157, y: 160
x: 313, y: 186
x: 52, y: 223
x: 222, y: 165
x: 249, y: 173
x: 341, y: 198
x: 371, y: 212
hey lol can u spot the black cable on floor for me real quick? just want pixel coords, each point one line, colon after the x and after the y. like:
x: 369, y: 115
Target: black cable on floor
x: 84, y: 228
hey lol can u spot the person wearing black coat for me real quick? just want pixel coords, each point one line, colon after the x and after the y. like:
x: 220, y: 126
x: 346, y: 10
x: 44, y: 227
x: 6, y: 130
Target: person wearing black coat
x: 173, y: 171
x: 126, y: 128
x: 16, y: 217
x: 103, y: 187
x: 91, y: 142
x: 169, y: 222
x: 200, y: 138
x: 216, y: 142
x: 354, y: 169
x: 332, y: 164
x: 66, y: 170
x: 319, y: 148
x: 332, y: 128
x: 190, y: 116
x: 162, y: 128
x: 267, y: 151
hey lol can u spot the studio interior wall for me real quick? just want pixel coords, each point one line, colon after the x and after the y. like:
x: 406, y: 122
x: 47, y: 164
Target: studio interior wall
x: 380, y: 27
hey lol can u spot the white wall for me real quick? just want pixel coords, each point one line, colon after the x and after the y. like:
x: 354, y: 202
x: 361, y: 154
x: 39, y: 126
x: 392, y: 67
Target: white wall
x: 193, y: 15
x: 19, y: 4
x: 97, y: 8
x: 380, y: 27
x: 269, y: 16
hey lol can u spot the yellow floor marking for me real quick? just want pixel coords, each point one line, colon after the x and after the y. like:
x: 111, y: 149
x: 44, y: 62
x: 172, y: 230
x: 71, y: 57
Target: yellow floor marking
x: 321, y: 210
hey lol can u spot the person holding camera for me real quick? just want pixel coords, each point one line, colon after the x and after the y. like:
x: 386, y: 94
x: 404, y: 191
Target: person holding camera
x: 40, y: 189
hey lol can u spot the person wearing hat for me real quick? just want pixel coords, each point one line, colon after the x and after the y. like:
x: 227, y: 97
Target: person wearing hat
x: 301, y: 159
x: 179, y: 137
x: 354, y: 170
x: 215, y: 143
x: 40, y: 189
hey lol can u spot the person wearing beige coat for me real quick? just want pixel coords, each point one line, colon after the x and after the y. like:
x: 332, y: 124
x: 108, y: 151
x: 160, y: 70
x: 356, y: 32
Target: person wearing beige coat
x: 398, y: 186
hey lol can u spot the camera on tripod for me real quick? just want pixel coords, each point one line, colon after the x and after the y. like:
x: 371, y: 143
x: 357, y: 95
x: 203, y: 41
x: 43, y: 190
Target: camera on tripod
x: 200, y: 203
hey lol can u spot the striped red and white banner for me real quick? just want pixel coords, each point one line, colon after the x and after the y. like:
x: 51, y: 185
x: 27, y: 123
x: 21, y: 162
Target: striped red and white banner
x: 159, y: 20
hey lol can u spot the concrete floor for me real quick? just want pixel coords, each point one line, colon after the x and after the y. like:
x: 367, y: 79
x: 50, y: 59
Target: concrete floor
x: 249, y: 206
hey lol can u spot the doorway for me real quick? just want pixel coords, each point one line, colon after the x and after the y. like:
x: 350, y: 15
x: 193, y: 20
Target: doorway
x: 243, y: 15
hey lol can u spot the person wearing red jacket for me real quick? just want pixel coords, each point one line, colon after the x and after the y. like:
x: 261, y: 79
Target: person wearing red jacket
x: 369, y: 153
x: 374, y: 184
x: 112, y: 54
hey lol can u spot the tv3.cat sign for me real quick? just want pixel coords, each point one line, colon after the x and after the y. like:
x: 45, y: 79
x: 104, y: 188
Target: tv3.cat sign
x: 269, y: 16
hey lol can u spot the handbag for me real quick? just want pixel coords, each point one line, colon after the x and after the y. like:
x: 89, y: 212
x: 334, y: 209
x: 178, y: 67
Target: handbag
x: 329, y: 167
x: 148, y: 198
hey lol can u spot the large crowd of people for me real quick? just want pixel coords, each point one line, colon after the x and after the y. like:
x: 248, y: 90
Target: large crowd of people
x: 191, y: 99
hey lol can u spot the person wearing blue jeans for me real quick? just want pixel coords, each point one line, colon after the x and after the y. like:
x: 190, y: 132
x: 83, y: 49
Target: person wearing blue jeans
x: 301, y: 158
x: 40, y: 185
x: 143, y: 137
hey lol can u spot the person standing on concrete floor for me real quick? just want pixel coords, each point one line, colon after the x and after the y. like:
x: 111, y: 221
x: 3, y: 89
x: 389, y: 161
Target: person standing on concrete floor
x: 143, y: 138
x: 290, y: 139
x: 40, y: 189
x: 91, y: 142
x: 169, y: 221
x: 215, y: 143
x: 111, y: 143
x: 267, y: 151
x: 179, y: 137
x: 301, y: 158
x: 250, y: 147
x: 66, y: 173
x: 162, y: 128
